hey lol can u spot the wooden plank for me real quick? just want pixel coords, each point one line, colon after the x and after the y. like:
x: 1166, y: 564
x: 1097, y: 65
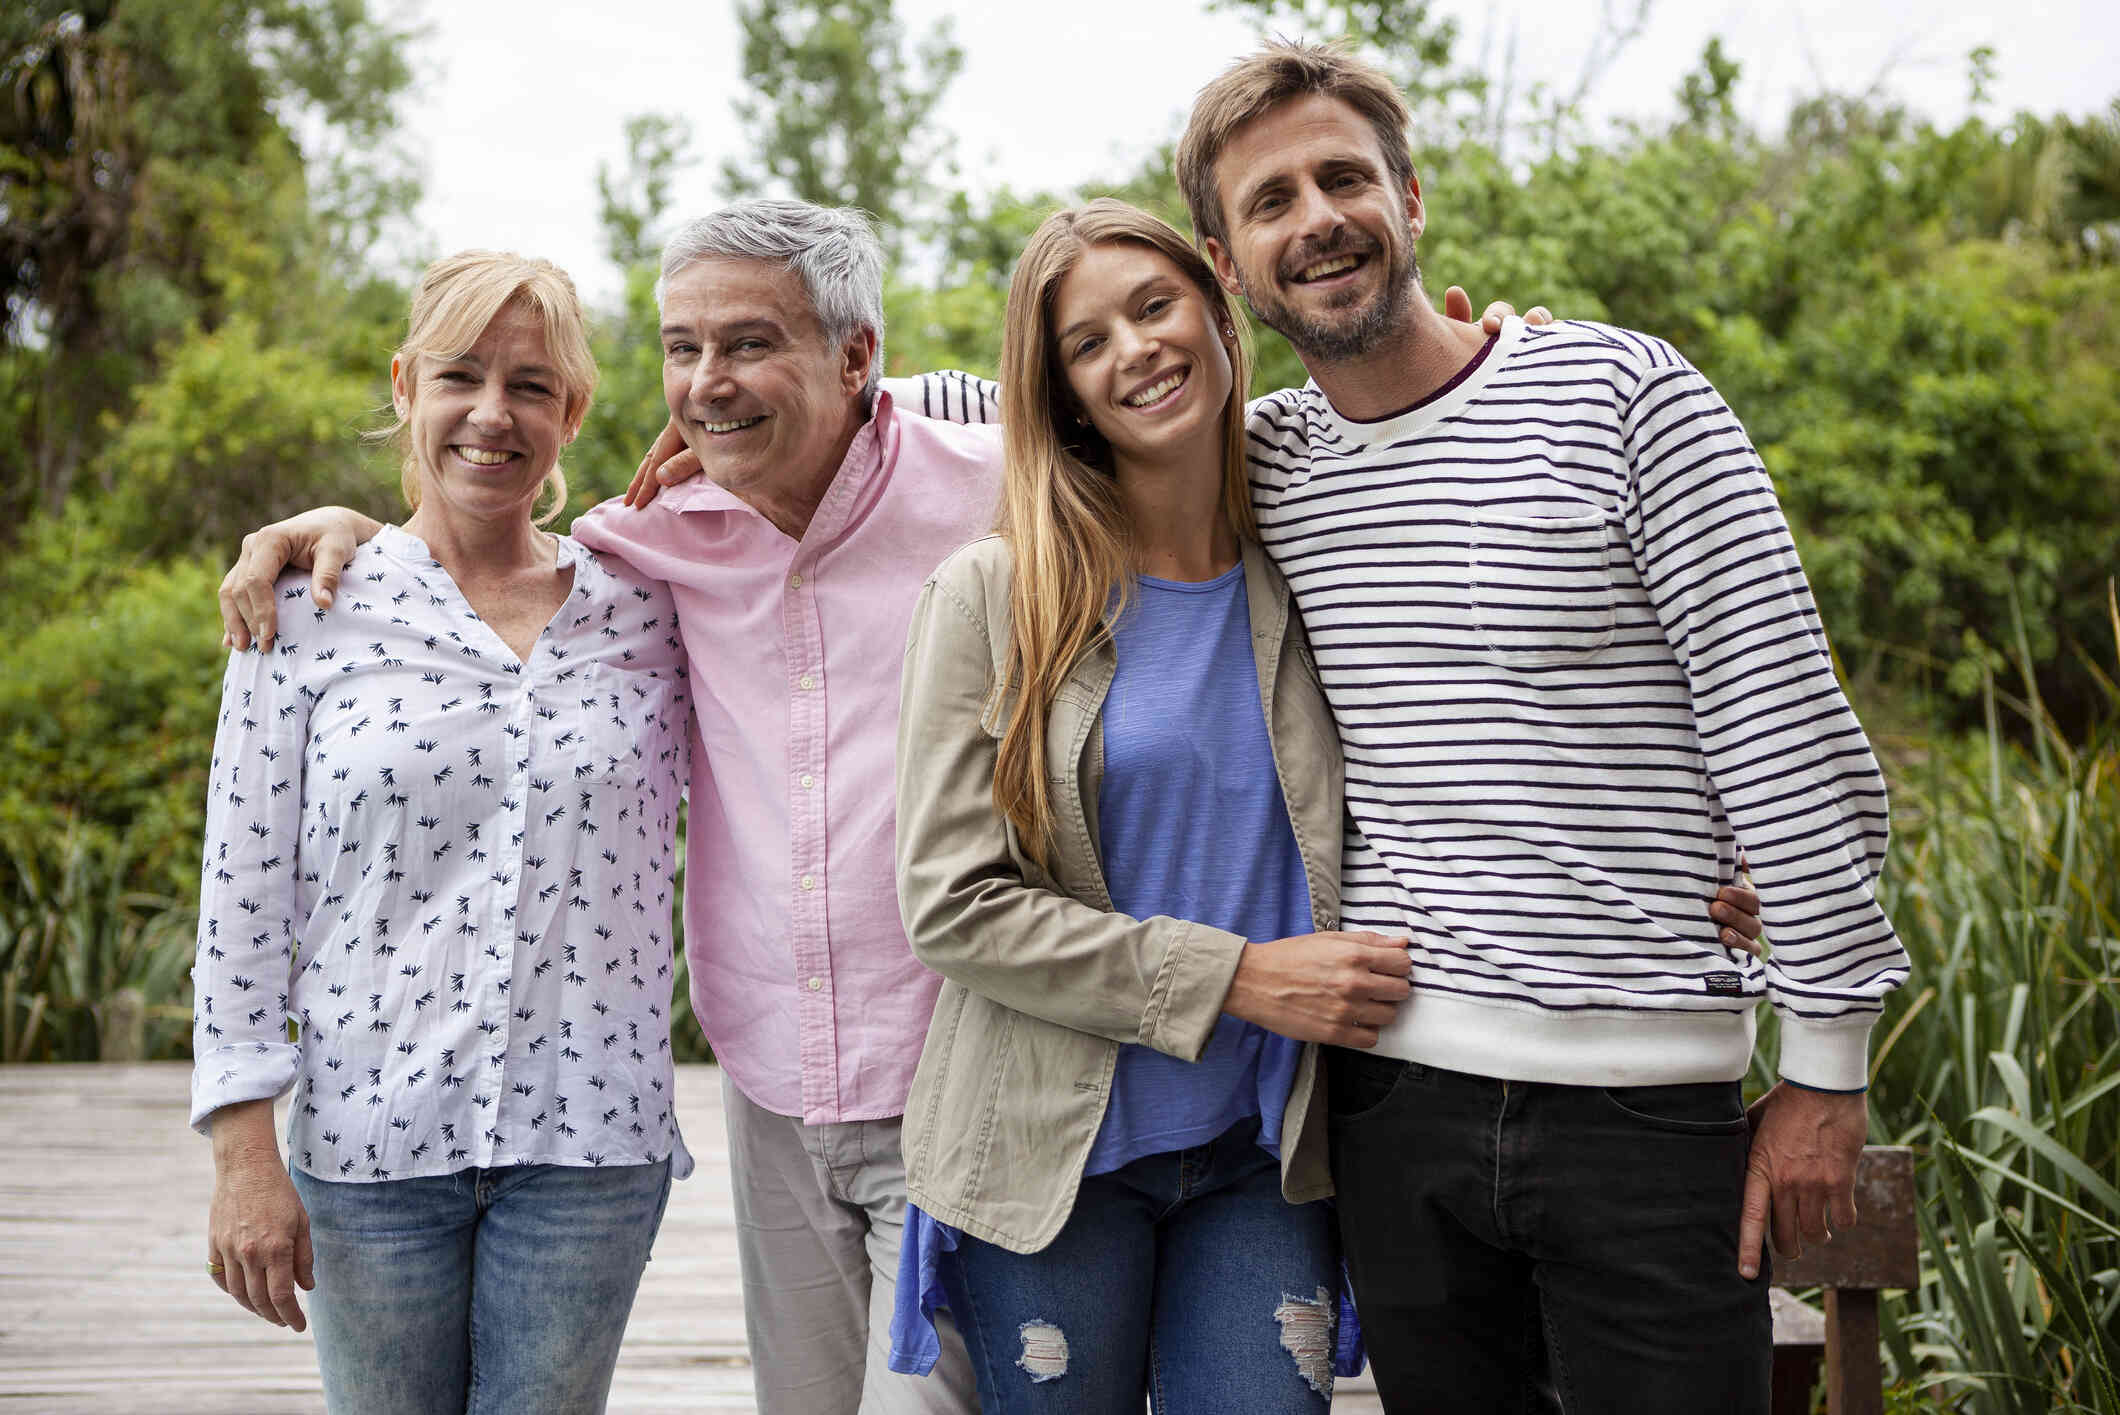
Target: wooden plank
x: 1883, y: 1249
x: 105, y: 1306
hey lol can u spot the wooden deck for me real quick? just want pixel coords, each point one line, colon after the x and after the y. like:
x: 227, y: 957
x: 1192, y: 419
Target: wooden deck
x: 105, y: 1306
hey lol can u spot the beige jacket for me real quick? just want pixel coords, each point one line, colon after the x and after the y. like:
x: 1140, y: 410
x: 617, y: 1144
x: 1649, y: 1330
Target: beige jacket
x: 1042, y: 980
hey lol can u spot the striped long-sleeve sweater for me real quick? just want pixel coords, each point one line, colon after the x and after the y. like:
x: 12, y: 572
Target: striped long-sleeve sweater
x: 1575, y: 666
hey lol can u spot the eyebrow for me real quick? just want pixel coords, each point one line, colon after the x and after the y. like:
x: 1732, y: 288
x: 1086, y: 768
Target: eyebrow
x: 530, y: 370
x: 741, y: 326
x: 1131, y: 295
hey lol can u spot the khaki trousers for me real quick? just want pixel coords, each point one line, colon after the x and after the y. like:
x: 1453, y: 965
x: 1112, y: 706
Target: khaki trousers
x: 820, y: 1210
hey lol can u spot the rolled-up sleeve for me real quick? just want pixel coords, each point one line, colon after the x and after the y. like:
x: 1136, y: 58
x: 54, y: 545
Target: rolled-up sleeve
x: 248, y: 887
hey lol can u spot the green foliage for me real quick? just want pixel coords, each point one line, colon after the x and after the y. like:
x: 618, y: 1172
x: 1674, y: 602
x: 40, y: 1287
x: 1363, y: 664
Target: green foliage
x: 836, y: 109
x: 81, y: 949
x: 107, y: 707
x: 151, y: 186
x: 238, y: 431
x: 2001, y: 1061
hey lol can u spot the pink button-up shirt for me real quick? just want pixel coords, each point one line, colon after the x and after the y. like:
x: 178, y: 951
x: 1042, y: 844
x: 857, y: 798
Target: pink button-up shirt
x: 801, y: 973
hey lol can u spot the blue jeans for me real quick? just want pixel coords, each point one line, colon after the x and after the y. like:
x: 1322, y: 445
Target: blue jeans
x: 1185, y: 1275
x: 1501, y: 1233
x: 484, y: 1290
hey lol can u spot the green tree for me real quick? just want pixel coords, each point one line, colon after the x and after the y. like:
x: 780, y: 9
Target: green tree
x: 837, y: 106
x: 151, y: 183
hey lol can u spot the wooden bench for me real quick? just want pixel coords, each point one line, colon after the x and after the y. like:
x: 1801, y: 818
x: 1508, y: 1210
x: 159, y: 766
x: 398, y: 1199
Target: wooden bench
x: 1882, y: 1250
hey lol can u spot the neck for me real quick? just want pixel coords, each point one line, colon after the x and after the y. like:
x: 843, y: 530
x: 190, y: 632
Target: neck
x: 1408, y: 364
x: 791, y: 503
x: 481, y: 547
x: 1179, y: 527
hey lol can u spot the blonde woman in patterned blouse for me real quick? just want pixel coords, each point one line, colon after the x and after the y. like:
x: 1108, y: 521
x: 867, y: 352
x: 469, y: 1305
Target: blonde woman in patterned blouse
x: 436, y: 905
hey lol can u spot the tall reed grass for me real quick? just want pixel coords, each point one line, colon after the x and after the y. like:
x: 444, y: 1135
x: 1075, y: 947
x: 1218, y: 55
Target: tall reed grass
x: 2000, y: 1062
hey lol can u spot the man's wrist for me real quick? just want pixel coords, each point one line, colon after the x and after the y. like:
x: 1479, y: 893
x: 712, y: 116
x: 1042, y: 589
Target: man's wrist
x: 1825, y: 1090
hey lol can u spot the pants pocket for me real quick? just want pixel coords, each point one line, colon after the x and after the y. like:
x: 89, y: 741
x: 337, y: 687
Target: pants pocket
x: 1358, y: 1085
x: 1698, y: 1108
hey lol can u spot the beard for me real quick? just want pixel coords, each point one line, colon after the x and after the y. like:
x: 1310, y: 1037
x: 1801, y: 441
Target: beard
x: 1359, y: 329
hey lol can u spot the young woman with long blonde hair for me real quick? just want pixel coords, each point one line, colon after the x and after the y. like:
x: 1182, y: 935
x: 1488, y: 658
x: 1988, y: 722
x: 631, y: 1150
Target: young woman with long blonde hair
x: 1115, y: 768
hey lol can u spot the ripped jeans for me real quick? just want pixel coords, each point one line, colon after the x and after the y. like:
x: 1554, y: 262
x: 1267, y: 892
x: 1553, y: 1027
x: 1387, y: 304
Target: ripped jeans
x: 1184, y: 1275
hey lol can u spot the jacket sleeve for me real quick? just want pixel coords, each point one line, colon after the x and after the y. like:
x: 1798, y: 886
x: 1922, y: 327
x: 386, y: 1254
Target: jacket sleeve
x: 1795, y: 774
x: 969, y: 910
x: 247, y: 887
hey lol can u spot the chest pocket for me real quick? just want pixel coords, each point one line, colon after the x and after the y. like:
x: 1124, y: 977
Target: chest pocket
x: 1542, y: 588
x: 625, y: 727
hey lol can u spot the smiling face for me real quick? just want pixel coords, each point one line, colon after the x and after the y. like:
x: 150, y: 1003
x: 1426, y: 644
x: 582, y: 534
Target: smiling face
x: 1141, y: 350
x: 761, y: 393
x: 1321, y: 237
x: 486, y: 425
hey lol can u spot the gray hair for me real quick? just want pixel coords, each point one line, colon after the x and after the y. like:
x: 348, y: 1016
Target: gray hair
x: 833, y: 248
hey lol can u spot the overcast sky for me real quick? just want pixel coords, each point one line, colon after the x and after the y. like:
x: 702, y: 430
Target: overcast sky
x: 520, y: 100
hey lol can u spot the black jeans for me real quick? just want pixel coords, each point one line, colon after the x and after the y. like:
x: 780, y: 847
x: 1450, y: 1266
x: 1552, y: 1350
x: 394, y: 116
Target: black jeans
x: 1485, y: 1220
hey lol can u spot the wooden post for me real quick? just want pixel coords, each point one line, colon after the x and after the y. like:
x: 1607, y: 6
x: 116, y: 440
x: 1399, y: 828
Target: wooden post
x: 1854, y: 1369
x: 121, y: 1026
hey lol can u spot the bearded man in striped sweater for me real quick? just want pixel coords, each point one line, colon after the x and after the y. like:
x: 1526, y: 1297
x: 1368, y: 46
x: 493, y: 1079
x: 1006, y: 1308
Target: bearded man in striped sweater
x: 1576, y: 667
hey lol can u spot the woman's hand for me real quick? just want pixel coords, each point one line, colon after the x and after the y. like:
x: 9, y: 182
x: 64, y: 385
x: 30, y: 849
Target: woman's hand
x: 322, y: 540
x: 256, y: 1232
x: 1736, y: 908
x: 1339, y: 988
x: 1457, y: 305
x: 669, y: 461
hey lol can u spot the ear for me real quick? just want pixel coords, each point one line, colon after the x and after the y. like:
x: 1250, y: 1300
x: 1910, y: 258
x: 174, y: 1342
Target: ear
x: 856, y: 356
x: 1225, y: 266
x: 1416, y: 214
x: 400, y: 394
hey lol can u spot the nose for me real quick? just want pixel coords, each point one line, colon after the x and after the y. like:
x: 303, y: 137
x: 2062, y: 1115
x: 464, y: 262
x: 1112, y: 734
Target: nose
x: 491, y: 412
x: 711, y: 380
x: 1134, y: 345
x: 1317, y: 216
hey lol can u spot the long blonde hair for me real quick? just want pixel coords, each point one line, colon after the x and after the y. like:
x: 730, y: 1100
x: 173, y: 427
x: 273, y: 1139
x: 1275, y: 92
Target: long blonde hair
x: 1061, y: 514
x: 458, y: 296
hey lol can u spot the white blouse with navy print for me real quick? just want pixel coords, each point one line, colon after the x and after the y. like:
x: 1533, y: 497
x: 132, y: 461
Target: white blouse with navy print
x: 452, y: 871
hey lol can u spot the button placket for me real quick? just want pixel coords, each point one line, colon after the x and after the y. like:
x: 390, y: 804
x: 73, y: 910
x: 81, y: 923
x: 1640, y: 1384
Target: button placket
x: 809, y: 935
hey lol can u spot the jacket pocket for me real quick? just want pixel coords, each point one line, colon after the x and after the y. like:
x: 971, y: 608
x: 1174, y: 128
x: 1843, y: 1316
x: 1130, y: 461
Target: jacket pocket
x: 1542, y: 589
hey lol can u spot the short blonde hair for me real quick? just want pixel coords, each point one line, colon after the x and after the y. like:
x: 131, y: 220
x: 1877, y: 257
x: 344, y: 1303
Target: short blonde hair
x: 1259, y: 83
x: 458, y: 296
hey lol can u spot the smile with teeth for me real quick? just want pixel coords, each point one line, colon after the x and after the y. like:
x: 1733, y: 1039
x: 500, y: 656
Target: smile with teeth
x: 483, y: 456
x: 1159, y: 390
x: 1330, y: 266
x: 731, y: 424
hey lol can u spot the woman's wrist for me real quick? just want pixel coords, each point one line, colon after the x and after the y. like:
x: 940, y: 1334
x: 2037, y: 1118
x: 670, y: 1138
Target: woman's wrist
x: 243, y: 1132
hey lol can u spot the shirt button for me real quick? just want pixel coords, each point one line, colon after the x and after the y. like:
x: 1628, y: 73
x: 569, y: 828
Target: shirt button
x: 795, y: 581
x: 808, y: 781
x: 816, y: 984
x: 808, y: 882
x: 807, y: 682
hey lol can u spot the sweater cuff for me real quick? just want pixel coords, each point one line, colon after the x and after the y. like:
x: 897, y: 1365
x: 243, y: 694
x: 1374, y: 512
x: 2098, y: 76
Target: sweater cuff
x: 1826, y: 1056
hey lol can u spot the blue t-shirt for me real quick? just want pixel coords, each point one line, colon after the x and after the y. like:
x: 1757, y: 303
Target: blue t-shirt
x: 1193, y: 825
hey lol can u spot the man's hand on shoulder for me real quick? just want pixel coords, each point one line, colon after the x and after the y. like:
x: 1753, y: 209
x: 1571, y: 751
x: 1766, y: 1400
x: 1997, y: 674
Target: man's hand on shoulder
x: 1800, y: 1179
x: 321, y: 541
x: 1457, y: 305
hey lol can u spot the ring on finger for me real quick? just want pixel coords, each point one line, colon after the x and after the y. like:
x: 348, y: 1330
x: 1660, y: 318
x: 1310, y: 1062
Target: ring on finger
x: 215, y: 1269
